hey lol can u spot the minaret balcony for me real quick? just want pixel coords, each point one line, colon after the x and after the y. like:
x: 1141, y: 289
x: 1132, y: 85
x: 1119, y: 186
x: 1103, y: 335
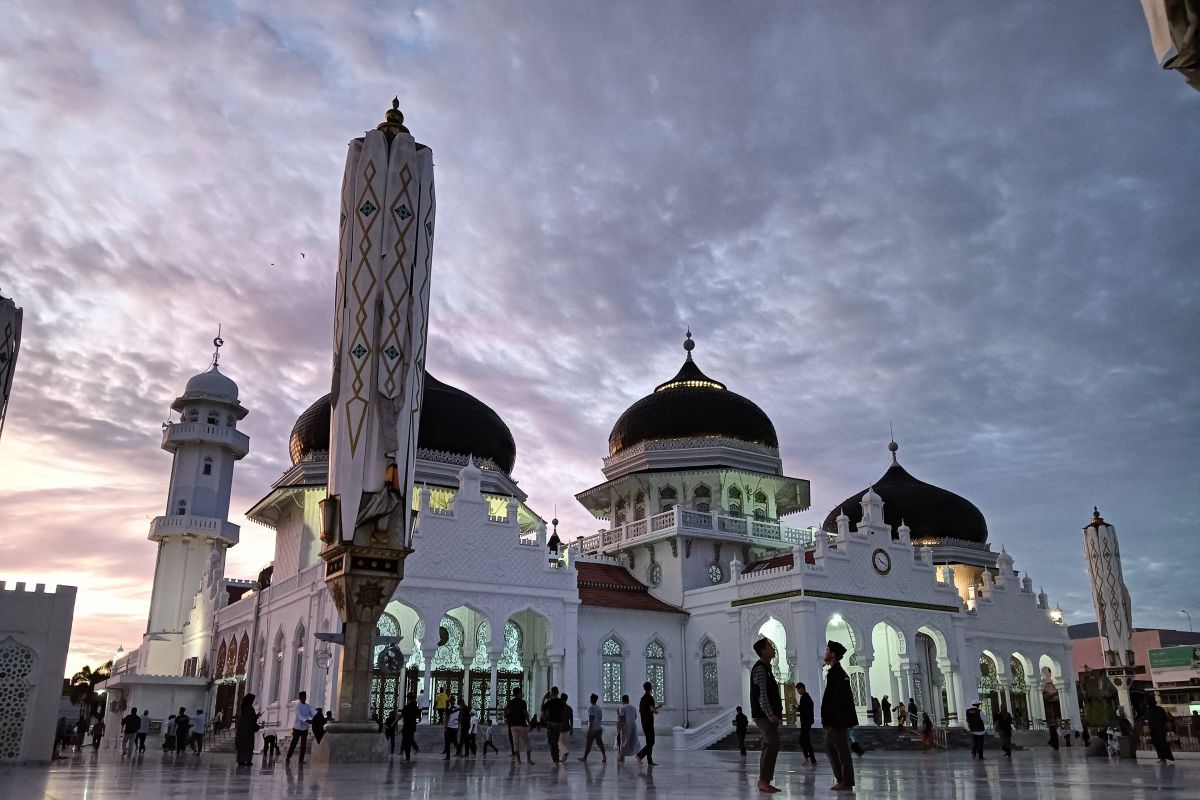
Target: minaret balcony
x: 699, y: 524
x: 181, y: 433
x: 183, y: 525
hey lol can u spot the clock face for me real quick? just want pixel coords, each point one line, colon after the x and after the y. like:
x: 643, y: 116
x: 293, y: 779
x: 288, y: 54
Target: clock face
x: 881, y: 561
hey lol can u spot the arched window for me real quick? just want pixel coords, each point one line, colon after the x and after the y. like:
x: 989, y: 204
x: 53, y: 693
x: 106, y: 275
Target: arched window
x: 231, y: 658
x: 298, y: 661
x: 613, y: 665
x: 193, y: 415
x: 207, y: 466
x: 416, y: 659
x: 483, y: 635
x: 760, y: 505
x: 260, y: 669
x: 244, y: 653
x: 214, y: 418
x: 639, y: 505
x: 385, y: 654
x: 656, y: 669
x: 277, y: 675
x: 708, y: 671
x: 620, y: 517
x: 702, y: 498
x: 735, y: 500
x: 450, y: 655
x: 510, y: 659
x: 666, y: 498
x: 181, y: 508
x: 220, y: 670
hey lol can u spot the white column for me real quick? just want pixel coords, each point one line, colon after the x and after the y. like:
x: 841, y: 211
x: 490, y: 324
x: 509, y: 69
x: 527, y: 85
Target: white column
x: 865, y: 663
x: 428, y: 653
x: 570, y: 676
x: 494, y: 658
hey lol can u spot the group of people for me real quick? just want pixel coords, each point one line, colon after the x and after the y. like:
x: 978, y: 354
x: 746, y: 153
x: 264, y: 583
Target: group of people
x: 838, y: 716
x: 882, y: 711
x: 248, y: 725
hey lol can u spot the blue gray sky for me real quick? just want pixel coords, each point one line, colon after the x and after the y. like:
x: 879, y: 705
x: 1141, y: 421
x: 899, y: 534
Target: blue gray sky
x: 974, y: 221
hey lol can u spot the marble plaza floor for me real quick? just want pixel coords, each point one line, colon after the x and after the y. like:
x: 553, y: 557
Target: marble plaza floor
x: 679, y: 776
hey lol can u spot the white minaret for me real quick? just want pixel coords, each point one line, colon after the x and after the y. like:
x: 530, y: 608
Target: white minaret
x: 1113, y: 609
x: 205, y: 443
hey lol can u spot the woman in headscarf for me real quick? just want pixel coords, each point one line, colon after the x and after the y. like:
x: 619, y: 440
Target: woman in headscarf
x: 246, y: 732
x: 627, y: 724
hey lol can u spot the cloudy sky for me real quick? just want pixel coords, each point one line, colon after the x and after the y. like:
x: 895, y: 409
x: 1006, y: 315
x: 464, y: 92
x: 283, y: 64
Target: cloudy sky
x: 977, y: 222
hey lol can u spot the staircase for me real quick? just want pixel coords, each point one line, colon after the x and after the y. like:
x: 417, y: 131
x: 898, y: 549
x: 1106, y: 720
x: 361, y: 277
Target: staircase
x: 869, y: 738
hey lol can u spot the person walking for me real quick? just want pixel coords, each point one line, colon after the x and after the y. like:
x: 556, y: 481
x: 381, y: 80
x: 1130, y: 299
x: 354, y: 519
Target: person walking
x: 410, y: 715
x: 804, y: 711
x: 1004, y: 728
x: 464, y: 728
x: 516, y: 717
x: 838, y: 717
x: 423, y: 704
x: 626, y: 729
x: 300, y: 727
x: 977, y: 728
x: 130, y: 725
x: 912, y: 713
x: 876, y: 711
x: 647, y: 709
x: 169, y: 735
x: 143, y: 731
x: 389, y: 730
x: 440, y: 701
x: 1053, y: 742
x: 183, y: 730
x: 199, y: 723
x: 886, y: 705
x: 901, y: 715
x: 766, y: 708
x: 554, y: 715
x: 270, y: 736
x: 450, y: 729
x: 246, y: 731
x: 1158, y: 722
x: 927, y: 741
x: 740, y: 724
x: 568, y: 726
x: 97, y: 734
x: 595, y: 732
x: 485, y: 733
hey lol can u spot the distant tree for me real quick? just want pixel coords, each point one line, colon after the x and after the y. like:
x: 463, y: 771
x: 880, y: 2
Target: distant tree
x: 81, y: 687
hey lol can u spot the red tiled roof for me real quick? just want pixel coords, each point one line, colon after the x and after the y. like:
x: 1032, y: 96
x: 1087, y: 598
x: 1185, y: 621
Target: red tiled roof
x: 784, y: 560
x: 611, y: 586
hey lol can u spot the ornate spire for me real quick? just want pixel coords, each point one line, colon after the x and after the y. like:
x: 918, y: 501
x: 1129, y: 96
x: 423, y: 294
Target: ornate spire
x: 393, y: 121
x: 217, y: 343
x: 688, y: 344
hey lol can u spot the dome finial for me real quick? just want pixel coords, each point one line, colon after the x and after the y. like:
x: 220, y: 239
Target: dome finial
x: 393, y: 121
x: 892, y: 444
x: 217, y: 342
x: 688, y: 344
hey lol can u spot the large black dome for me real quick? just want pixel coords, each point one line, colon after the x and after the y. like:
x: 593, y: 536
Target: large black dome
x: 930, y: 511
x: 691, y: 405
x: 452, y: 421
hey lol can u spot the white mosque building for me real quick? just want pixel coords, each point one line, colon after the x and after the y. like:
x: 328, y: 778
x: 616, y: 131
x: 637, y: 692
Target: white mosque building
x: 692, y: 564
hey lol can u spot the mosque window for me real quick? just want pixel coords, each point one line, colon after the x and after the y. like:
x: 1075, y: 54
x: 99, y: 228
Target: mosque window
x: 666, y: 498
x: 483, y: 635
x: 449, y: 656
x: 639, y: 506
x: 708, y: 676
x: 760, y: 514
x: 208, y: 466
x: 193, y: 415
x: 621, y: 515
x: 656, y: 669
x: 613, y: 668
x: 181, y: 509
x: 702, y: 498
x: 298, y: 661
x: 221, y: 653
x: 416, y: 659
x: 277, y: 676
x: 735, y: 500
x: 214, y: 418
x: 510, y: 659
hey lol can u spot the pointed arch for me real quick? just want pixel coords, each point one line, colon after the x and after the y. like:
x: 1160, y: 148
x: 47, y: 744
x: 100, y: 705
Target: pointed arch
x: 277, y: 666
x: 612, y: 668
x: 656, y: 667
x: 709, y: 672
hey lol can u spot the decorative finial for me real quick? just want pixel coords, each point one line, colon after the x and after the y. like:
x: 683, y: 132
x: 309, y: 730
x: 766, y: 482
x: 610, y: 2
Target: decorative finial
x: 688, y: 344
x: 217, y: 342
x: 393, y: 121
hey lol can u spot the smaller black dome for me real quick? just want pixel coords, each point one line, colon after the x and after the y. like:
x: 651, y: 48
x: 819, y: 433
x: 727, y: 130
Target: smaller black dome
x: 691, y: 405
x: 930, y: 511
x: 452, y: 421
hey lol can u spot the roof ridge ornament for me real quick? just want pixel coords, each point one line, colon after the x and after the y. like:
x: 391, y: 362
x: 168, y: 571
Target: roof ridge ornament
x: 393, y: 121
x: 217, y: 343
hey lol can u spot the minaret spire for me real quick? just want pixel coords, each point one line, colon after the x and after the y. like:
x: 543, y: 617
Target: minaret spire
x: 688, y: 344
x: 217, y: 343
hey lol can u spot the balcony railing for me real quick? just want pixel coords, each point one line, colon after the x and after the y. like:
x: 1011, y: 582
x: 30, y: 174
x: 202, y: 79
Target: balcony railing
x: 194, y: 526
x: 179, y: 433
x: 683, y: 520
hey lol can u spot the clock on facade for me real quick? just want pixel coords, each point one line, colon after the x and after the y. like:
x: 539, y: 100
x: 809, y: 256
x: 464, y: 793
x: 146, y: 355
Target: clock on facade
x: 715, y: 573
x: 881, y: 561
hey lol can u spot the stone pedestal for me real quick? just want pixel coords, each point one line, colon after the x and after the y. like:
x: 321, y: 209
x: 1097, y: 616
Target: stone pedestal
x: 350, y: 743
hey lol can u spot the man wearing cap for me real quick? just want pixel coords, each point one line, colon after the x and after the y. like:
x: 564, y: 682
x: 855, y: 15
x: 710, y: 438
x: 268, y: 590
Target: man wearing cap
x: 838, y: 717
x: 977, y: 728
x: 766, y: 707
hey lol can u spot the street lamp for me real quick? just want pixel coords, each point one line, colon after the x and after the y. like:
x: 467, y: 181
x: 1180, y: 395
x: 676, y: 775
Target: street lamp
x: 1186, y: 613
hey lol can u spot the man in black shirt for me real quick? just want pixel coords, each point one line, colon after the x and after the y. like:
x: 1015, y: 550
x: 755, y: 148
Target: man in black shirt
x: 805, y: 712
x: 130, y: 724
x: 740, y: 724
x: 555, y: 716
x: 766, y: 707
x: 838, y: 717
x: 647, y: 708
